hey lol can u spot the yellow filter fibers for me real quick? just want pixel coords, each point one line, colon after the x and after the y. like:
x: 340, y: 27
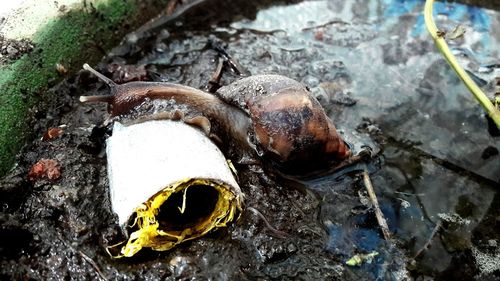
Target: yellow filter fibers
x: 162, y: 232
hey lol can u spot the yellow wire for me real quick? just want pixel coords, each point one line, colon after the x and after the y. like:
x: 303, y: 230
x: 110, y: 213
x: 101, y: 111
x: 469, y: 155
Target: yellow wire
x: 445, y: 50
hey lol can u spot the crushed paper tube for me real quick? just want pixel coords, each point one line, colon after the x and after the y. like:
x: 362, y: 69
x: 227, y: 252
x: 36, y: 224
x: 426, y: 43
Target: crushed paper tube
x: 169, y: 183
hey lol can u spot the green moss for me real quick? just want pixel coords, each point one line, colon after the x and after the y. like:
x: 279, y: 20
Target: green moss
x: 70, y: 40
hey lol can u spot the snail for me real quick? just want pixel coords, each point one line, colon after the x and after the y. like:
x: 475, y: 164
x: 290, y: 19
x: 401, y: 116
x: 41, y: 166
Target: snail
x: 270, y: 118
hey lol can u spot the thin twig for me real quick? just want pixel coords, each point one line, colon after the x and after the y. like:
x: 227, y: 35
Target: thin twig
x: 85, y: 257
x: 325, y: 25
x: 232, y: 63
x: 378, y: 213
x: 94, y: 265
x: 277, y: 233
x: 409, y: 193
x: 429, y: 241
x: 445, y: 50
x: 214, y: 83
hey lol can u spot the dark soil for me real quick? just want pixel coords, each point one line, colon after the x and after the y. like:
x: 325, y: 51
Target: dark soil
x: 11, y: 50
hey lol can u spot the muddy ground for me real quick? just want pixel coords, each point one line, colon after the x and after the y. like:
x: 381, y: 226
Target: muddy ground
x: 50, y: 227
x: 59, y: 229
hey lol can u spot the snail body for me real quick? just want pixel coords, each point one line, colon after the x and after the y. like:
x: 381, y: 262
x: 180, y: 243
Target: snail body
x: 271, y: 117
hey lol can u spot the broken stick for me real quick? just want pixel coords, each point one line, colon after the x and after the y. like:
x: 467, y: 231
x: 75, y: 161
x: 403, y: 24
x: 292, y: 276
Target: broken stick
x: 94, y: 265
x: 378, y: 213
x: 429, y: 241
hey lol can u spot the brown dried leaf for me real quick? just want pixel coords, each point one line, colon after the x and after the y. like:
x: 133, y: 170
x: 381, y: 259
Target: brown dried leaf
x: 61, y: 69
x: 52, y: 133
x: 45, y: 168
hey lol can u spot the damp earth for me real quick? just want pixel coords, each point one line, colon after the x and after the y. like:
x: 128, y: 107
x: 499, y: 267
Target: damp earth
x: 379, y: 77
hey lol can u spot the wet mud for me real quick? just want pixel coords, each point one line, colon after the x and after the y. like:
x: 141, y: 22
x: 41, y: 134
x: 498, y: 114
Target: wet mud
x: 381, y: 81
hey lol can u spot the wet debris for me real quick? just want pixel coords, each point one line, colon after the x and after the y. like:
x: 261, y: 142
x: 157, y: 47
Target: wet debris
x: 333, y: 92
x: 11, y: 50
x: 274, y: 251
x: 45, y: 169
x: 456, y: 32
x: 122, y: 73
x: 487, y: 262
x: 61, y: 69
x: 52, y: 133
x: 370, y: 127
x: 453, y: 218
x: 180, y: 265
x: 359, y: 259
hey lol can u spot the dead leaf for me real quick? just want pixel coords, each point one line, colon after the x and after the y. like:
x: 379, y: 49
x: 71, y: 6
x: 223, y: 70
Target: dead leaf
x: 52, y: 133
x: 457, y: 32
x: 61, y: 69
x: 45, y: 168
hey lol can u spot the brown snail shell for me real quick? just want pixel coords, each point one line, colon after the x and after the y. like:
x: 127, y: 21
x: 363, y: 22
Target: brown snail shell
x: 272, y: 116
x: 290, y: 125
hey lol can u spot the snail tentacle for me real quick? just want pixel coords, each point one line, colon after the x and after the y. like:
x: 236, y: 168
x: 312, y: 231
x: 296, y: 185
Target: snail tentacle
x: 99, y: 75
x: 101, y: 98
